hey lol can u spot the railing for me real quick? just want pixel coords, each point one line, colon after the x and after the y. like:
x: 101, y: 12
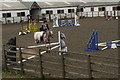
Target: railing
x: 14, y: 20
x: 61, y: 16
x: 84, y: 14
x: 69, y: 65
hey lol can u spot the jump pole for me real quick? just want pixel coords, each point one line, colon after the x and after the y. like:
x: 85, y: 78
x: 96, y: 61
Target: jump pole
x: 59, y: 40
x: 93, y: 43
x: 57, y: 25
x: 46, y: 51
x: 41, y: 53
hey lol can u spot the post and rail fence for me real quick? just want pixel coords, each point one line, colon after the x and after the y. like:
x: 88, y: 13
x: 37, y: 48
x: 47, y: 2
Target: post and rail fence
x: 51, y: 64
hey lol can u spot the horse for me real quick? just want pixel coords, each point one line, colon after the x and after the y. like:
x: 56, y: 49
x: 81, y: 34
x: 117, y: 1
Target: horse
x: 46, y: 37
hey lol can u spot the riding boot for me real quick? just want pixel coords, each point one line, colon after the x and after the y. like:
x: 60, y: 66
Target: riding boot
x: 42, y: 37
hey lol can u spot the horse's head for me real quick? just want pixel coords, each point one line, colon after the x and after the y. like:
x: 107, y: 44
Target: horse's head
x: 50, y: 33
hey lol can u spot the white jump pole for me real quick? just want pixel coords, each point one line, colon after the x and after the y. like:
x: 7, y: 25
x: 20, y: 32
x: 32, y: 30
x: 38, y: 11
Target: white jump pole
x: 40, y: 53
x: 42, y: 45
x: 76, y: 24
x: 59, y: 41
x: 39, y: 45
x: 46, y: 51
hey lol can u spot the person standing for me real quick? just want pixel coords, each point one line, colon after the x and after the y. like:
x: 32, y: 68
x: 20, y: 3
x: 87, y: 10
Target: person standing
x: 63, y: 46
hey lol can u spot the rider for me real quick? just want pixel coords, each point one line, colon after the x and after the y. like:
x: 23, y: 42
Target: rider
x: 44, y: 28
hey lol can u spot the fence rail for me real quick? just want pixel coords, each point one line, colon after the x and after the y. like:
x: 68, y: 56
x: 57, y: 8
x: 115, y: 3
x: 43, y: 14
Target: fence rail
x: 62, y: 65
x: 8, y: 20
x: 50, y: 17
x: 83, y: 14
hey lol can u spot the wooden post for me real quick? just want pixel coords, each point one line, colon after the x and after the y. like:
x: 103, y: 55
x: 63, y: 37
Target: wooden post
x: 110, y: 13
x: 63, y: 65
x: 89, y: 67
x: 114, y: 15
x: 21, y: 63
x: 50, y: 17
x: 86, y: 14
x: 71, y: 15
x: 41, y: 68
x: 60, y: 15
x: 92, y: 13
x: 5, y: 20
x: 13, y: 20
x: 20, y: 19
x: 4, y: 54
x: 81, y: 14
x: 98, y: 13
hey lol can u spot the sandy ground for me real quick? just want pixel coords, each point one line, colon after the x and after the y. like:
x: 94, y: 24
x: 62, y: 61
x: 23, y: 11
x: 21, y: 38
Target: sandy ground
x: 77, y: 37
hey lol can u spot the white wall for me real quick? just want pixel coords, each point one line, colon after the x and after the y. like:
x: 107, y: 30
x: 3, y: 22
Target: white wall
x: 95, y: 8
x: 109, y: 8
x: 87, y: 9
x: 62, y: 15
x: 55, y: 9
x: 14, y: 14
x: 0, y: 15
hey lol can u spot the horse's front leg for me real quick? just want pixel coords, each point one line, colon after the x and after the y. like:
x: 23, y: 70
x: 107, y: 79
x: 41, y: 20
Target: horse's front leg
x: 46, y: 46
x: 37, y: 41
x: 49, y: 46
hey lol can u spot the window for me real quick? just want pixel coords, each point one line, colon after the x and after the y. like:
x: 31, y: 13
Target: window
x: 92, y: 9
x: 49, y: 12
x: 118, y: 7
x: 60, y: 11
x: 81, y: 9
x: 78, y: 10
x: 6, y: 15
x: 114, y: 8
x: 70, y: 10
x: 103, y: 8
x: 100, y: 9
x: 20, y: 14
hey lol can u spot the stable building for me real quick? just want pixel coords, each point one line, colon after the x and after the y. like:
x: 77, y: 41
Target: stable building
x: 13, y: 12
x: 69, y: 9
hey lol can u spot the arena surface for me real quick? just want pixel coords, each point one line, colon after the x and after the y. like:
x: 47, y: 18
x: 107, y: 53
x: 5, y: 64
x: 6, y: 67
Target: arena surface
x: 77, y: 37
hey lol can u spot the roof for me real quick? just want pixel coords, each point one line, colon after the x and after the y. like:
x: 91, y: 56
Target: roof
x: 12, y: 6
x: 71, y: 4
x: 27, y: 5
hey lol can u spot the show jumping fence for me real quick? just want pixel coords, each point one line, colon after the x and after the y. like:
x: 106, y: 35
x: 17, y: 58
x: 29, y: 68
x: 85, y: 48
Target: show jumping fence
x: 53, y: 65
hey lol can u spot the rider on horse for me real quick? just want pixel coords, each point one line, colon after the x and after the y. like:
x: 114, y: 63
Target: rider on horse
x: 44, y: 28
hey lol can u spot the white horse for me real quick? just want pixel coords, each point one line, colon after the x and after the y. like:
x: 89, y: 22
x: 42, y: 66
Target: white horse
x: 46, y: 37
